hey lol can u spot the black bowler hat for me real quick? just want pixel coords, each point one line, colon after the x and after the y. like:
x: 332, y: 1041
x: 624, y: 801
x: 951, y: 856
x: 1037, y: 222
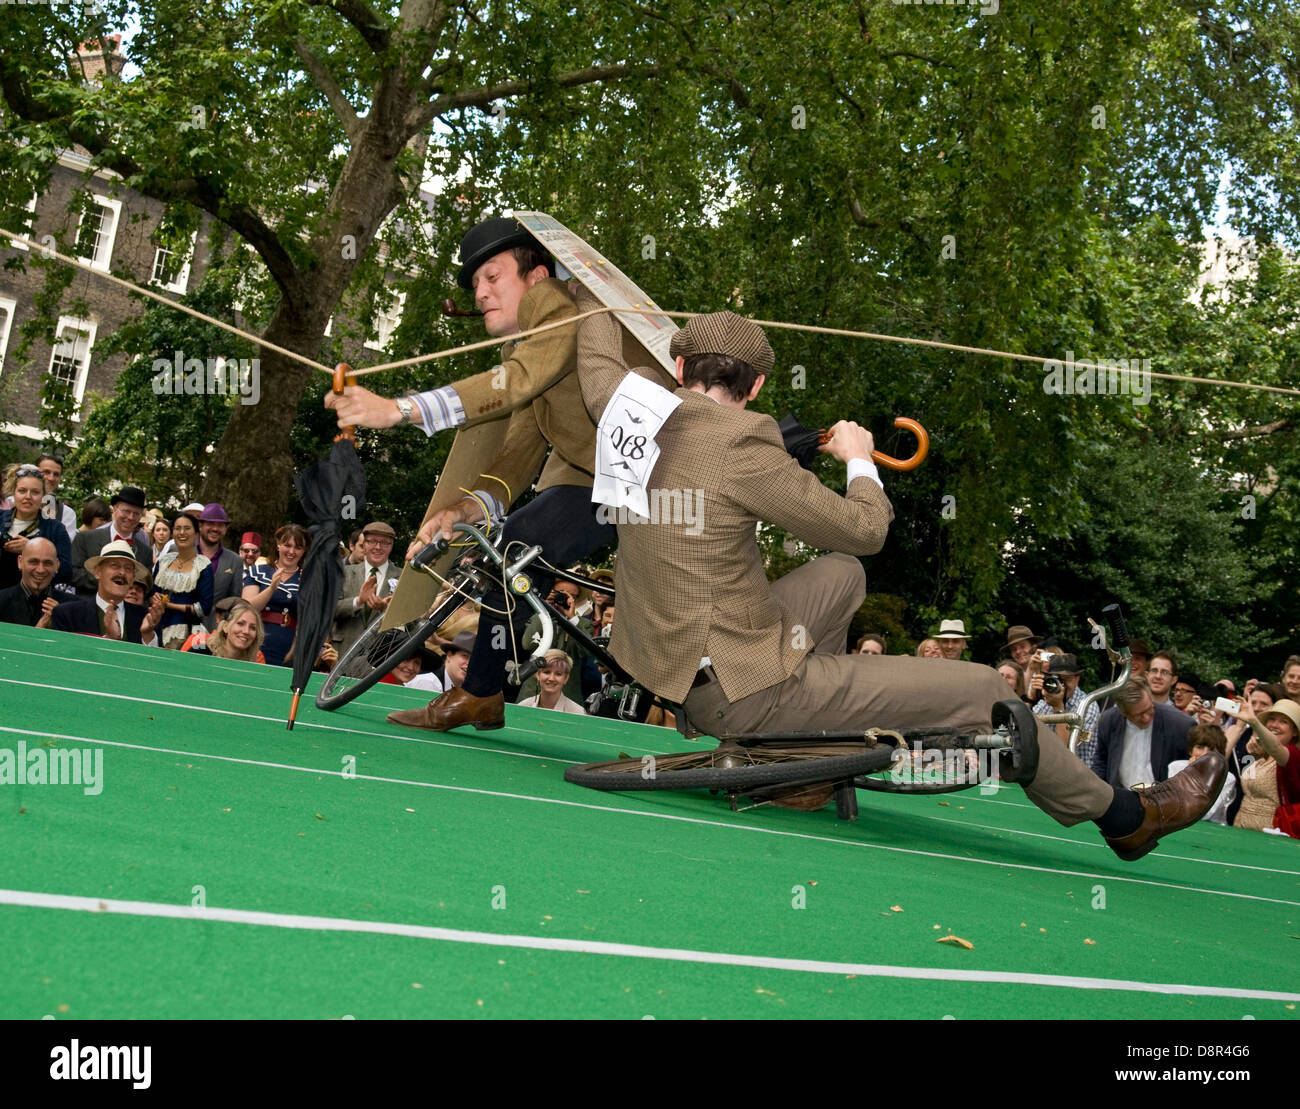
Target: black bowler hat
x: 130, y: 494
x: 488, y: 239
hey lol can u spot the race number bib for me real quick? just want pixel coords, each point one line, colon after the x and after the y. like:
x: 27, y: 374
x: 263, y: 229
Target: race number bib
x: 626, y: 450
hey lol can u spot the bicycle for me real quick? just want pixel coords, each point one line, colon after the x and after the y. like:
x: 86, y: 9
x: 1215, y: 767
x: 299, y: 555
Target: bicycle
x: 377, y: 650
x: 793, y: 769
x: 826, y: 768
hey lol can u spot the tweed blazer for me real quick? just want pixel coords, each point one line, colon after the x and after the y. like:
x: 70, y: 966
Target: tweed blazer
x: 350, y: 622
x: 540, y: 385
x: 227, y: 573
x: 695, y: 588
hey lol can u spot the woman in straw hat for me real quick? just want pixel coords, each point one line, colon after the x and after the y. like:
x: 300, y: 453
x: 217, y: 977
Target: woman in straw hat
x: 1275, y: 773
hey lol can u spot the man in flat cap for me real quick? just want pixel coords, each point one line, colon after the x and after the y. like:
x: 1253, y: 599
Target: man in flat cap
x: 700, y: 624
x: 127, y: 507
x: 367, y: 586
x: 511, y: 276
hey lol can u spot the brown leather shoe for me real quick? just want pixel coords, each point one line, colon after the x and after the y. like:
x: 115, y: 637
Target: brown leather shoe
x: 453, y: 710
x: 1173, y: 805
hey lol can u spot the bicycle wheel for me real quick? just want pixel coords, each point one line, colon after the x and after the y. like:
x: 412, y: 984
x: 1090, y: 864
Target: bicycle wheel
x: 733, y: 769
x: 372, y: 656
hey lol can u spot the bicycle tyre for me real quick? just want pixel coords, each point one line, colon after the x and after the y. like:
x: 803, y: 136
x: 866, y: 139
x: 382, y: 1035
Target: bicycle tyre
x: 377, y: 652
x: 701, y: 770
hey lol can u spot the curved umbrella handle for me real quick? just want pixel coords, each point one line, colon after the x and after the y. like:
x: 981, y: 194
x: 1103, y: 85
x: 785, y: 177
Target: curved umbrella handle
x: 343, y: 376
x: 922, y: 446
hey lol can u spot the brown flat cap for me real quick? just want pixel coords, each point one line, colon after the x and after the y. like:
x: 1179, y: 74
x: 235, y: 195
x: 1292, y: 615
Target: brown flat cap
x: 725, y: 333
x: 378, y: 528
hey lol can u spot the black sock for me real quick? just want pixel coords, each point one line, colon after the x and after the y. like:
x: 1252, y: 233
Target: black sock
x: 1123, y: 816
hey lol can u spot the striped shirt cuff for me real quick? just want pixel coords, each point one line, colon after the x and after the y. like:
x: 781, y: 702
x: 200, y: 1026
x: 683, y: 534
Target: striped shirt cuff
x: 864, y: 467
x: 440, y: 409
x: 494, y: 505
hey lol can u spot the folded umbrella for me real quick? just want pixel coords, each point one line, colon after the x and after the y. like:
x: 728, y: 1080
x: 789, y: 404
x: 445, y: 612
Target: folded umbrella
x: 331, y: 490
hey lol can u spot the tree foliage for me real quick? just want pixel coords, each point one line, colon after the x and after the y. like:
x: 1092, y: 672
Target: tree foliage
x: 1037, y: 180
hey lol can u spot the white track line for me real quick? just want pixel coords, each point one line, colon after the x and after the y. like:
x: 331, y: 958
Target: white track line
x: 322, y: 727
x: 28, y: 899
x: 1089, y: 843
x: 661, y: 816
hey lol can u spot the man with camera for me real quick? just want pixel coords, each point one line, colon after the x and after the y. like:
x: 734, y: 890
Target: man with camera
x: 1060, y: 691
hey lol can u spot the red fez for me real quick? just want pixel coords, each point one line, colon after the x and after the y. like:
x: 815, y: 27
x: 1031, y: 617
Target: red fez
x: 250, y: 539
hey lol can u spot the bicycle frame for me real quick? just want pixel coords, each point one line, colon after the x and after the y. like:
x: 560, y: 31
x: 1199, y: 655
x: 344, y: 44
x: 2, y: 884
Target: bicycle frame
x: 520, y: 583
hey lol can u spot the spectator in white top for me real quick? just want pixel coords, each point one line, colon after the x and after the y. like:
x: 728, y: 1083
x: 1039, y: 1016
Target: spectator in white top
x: 1201, y: 740
x: 551, y: 679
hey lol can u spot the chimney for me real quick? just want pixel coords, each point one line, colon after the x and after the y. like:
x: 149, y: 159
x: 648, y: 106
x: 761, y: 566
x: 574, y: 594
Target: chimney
x: 95, y: 57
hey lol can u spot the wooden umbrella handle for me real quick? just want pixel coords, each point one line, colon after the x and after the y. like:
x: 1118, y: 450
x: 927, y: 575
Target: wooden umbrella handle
x: 343, y: 376
x: 919, y: 456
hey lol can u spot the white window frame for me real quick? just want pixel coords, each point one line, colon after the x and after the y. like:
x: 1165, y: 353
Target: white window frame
x: 182, y: 282
x: 394, y: 313
x: 105, y: 253
x: 9, y: 307
x: 83, y: 371
x: 29, y: 207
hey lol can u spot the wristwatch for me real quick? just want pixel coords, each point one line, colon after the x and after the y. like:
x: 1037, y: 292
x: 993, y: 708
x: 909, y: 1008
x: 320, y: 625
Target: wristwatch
x: 405, y: 407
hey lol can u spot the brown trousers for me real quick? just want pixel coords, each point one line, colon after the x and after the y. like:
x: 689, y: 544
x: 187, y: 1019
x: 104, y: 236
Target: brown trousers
x: 836, y: 691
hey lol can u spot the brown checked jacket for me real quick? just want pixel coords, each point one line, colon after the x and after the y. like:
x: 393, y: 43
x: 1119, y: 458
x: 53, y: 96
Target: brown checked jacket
x: 691, y: 582
x: 540, y: 386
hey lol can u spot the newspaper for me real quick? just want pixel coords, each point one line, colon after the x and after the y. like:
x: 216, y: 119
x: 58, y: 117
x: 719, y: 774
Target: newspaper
x: 609, y: 284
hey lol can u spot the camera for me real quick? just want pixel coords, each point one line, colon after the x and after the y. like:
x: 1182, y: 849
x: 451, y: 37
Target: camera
x: 1043, y: 656
x: 1225, y: 705
x: 1052, y: 684
x: 559, y: 598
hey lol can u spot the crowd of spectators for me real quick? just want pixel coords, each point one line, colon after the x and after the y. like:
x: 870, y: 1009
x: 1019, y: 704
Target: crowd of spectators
x: 185, y: 580
x: 1161, y: 720
x: 126, y: 571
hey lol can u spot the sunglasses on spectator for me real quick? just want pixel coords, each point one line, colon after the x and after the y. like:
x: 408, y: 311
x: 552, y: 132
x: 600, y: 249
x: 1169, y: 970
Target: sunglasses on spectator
x: 28, y: 471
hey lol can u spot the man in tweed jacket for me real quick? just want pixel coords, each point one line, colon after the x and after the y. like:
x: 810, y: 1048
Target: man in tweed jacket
x: 511, y: 277
x: 700, y: 624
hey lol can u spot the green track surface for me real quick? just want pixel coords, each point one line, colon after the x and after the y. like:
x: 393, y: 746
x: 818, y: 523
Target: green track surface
x: 478, y: 832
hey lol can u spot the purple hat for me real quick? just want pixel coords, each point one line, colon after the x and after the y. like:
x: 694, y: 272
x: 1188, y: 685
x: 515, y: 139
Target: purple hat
x: 213, y: 514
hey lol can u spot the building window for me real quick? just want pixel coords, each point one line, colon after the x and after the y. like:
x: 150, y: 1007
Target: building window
x: 97, y: 231
x: 70, y: 360
x: 171, y: 272
x: 386, y: 321
x: 7, y: 307
x: 28, y: 228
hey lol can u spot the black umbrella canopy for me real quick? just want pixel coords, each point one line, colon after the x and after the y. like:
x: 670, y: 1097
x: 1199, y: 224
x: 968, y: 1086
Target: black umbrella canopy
x: 331, y: 490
